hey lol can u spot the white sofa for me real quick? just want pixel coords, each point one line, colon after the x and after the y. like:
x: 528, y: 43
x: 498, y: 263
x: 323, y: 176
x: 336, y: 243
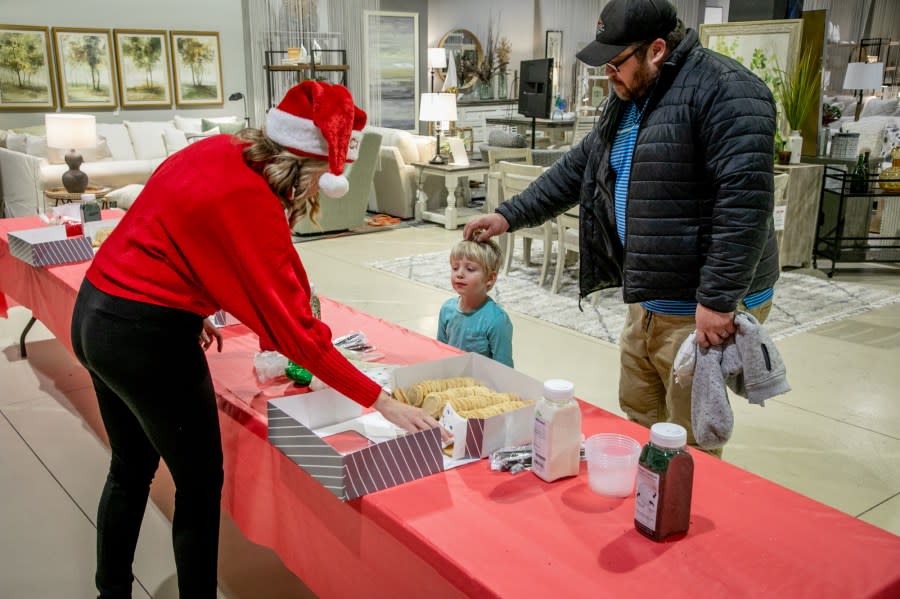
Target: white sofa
x: 127, y: 153
x: 878, y: 125
x: 395, y: 180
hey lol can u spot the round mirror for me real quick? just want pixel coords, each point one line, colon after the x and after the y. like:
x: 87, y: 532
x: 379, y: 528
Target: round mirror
x: 466, y: 51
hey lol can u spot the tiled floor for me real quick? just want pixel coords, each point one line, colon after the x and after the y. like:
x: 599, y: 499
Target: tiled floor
x: 834, y: 438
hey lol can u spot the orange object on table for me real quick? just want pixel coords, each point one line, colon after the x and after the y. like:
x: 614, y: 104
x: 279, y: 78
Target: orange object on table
x: 477, y: 533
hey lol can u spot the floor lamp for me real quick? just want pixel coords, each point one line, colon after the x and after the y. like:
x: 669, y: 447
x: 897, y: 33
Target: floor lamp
x: 862, y: 76
x: 439, y: 109
x: 239, y: 96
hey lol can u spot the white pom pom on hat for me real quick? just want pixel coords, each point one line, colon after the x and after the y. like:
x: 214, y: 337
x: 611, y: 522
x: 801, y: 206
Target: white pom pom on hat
x: 319, y: 120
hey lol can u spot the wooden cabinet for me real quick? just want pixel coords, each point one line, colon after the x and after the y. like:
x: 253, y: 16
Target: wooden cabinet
x: 796, y: 213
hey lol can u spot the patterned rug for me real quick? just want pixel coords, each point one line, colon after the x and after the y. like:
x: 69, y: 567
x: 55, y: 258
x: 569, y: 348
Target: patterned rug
x: 801, y: 301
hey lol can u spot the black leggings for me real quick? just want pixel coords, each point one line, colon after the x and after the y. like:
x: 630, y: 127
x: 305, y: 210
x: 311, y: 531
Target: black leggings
x: 156, y: 399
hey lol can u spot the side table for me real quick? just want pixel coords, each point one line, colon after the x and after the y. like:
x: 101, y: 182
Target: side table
x: 452, y: 216
x: 60, y: 195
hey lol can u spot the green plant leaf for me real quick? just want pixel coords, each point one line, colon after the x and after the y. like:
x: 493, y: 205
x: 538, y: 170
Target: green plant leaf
x: 801, y: 89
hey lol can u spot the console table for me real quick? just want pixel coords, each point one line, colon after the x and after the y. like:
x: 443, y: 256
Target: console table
x: 797, y: 214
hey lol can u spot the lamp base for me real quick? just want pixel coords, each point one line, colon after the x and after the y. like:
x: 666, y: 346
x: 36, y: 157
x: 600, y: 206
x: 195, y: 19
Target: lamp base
x: 73, y: 179
x: 438, y: 159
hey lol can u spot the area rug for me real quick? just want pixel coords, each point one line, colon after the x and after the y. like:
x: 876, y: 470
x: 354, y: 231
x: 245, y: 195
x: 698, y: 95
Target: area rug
x: 801, y: 301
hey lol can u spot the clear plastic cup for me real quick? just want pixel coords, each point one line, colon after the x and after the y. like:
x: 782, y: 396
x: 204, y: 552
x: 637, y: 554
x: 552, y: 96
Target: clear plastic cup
x: 612, y: 463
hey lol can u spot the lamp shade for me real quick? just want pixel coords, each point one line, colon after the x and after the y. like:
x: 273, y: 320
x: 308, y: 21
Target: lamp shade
x: 437, y: 58
x: 71, y: 131
x: 864, y: 75
x: 437, y: 107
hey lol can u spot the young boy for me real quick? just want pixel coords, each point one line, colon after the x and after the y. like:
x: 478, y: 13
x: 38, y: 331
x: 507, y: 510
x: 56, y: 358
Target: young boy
x: 473, y: 322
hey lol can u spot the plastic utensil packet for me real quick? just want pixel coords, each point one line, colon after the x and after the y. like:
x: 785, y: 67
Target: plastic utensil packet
x: 269, y: 365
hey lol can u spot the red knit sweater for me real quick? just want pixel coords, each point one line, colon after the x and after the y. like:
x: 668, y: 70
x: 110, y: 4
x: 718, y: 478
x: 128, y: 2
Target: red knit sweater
x: 208, y: 233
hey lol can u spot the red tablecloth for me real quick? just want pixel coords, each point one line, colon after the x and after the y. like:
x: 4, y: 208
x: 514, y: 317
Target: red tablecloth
x: 474, y: 532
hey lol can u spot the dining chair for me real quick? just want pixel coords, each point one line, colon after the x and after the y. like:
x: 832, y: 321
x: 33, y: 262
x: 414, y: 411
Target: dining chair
x: 514, y: 179
x: 566, y: 241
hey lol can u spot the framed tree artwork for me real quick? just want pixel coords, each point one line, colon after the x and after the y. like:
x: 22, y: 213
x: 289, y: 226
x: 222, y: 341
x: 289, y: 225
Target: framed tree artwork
x: 26, y: 74
x: 142, y: 56
x: 84, y: 68
x: 197, y: 68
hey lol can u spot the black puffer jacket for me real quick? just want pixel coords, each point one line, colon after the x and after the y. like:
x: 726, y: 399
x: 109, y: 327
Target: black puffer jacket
x: 699, y: 219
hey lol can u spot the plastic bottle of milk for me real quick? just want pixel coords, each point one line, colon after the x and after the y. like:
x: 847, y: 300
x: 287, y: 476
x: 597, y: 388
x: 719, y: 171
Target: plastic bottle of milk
x: 556, y: 451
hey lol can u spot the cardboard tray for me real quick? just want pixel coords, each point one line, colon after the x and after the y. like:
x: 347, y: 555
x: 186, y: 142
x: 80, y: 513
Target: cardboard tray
x: 478, y: 438
x: 49, y: 246
x: 348, y: 453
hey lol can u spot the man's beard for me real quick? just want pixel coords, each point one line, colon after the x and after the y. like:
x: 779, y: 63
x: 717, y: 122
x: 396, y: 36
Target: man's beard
x: 640, y: 86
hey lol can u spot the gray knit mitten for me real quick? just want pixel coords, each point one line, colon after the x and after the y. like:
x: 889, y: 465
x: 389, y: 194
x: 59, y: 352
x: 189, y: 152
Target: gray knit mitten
x: 711, y: 415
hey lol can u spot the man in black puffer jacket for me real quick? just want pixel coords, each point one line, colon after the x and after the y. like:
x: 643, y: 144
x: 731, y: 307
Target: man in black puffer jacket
x: 675, y: 188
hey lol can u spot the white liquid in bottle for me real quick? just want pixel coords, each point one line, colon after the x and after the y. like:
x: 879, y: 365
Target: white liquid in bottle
x: 556, y: 450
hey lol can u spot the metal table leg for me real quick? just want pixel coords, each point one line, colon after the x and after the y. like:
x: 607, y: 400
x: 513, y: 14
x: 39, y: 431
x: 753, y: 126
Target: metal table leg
x: 28, y: 326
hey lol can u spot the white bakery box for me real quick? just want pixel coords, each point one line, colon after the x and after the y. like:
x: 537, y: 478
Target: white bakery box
x: 352, y: 454
x: 49, y: 246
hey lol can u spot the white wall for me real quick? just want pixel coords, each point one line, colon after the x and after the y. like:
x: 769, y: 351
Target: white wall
x: 224, y: 16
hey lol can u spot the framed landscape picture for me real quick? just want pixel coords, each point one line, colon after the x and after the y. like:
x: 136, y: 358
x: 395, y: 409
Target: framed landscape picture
x: 197, y: 68
x: 391, y: 40
x: 84, y: 68
x: 142, y: 56
x: 26, y: 75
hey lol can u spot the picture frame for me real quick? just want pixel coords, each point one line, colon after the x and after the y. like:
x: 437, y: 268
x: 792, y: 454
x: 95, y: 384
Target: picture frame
x: 758, y: 45
x: 467, y: 135
x: 391, y: 75
x: 144, y: 68
x: 458, y: 153
x: 23, y: 84
x: 553, y: 40
x: 85, y: 68
x: 196, y: 68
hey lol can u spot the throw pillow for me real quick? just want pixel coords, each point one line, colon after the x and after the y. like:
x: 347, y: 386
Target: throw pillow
x: 505, y: 139
x: 16, y: 142
x: 891, y: 141
x: 146, y: 137
x: 117, y: 139
x: 174, y: 140
x: 3, y: 134
x: 99, y: 152
x: 229, y: 128
x: 878, y: 107
x: 36, y: 145
x: 124, y: 197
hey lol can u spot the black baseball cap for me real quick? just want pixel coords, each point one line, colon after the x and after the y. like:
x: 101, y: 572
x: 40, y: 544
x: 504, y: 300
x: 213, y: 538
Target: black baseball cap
x: 626, y: 22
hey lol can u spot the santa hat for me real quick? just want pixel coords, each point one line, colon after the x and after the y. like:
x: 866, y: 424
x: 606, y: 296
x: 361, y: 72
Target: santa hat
x: 319, y: 120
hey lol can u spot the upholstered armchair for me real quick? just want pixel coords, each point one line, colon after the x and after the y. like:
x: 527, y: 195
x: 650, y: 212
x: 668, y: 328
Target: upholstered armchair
x: 349, y: 211
x: 395, y: 179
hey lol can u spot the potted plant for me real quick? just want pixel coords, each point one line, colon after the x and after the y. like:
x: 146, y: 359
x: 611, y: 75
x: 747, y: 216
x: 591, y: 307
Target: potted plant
x: 501, y: 54
x: 484, y: 71
x: 799, y: 92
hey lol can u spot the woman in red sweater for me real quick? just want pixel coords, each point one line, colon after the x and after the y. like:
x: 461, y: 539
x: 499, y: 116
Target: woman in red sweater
x: 208, y: 232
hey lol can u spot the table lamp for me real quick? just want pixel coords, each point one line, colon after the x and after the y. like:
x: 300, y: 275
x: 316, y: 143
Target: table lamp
x: 239, y: 96
x: 73, y: 131
x: 439, y: 109
x: 437, y: 59
x: 861, y: 76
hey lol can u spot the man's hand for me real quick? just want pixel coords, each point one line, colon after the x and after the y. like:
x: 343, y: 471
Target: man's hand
x: 713, y: 328
x: 407, y: 417
x: 487, y: 226
x: 209, y: 333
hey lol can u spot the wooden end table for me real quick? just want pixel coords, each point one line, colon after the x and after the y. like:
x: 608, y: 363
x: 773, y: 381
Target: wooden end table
x: 452, y: 216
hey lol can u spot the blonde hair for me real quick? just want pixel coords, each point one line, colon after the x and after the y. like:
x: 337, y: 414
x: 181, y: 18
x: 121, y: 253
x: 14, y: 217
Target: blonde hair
x: 294, y: 179
x: 486, y: 254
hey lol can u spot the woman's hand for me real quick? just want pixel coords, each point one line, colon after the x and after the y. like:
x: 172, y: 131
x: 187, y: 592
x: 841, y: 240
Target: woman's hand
x: 407, y: 417
x: 209, y: 333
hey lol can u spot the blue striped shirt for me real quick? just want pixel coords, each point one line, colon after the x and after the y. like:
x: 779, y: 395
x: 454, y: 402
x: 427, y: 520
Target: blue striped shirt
x: 620, y: 159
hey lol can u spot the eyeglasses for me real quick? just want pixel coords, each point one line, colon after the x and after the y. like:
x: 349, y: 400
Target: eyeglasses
x: 614, y: 66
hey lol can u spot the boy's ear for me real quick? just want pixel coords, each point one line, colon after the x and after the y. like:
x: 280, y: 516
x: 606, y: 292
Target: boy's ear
x: 492, y: 278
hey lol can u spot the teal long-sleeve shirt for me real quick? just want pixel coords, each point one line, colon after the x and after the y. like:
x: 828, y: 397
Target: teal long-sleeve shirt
x: 486, y: 331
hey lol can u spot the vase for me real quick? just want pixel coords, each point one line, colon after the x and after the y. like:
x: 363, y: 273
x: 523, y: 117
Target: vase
x: 502, y: 86
x: 822, y: 141
x: 485, y: 90
x: 889, y: 179
x: 795, y: 145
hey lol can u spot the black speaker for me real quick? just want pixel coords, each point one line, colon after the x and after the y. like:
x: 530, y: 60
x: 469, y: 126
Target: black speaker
x: 536, y: 87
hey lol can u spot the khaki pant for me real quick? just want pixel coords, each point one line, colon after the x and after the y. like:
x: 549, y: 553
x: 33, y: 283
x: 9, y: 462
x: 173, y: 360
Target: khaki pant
x: 647, y: 391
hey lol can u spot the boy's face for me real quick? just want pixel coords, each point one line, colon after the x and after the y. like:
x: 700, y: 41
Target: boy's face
x: 469, y: 278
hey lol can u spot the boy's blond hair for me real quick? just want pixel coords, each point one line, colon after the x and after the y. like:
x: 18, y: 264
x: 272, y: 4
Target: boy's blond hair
x: 486, y: 254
